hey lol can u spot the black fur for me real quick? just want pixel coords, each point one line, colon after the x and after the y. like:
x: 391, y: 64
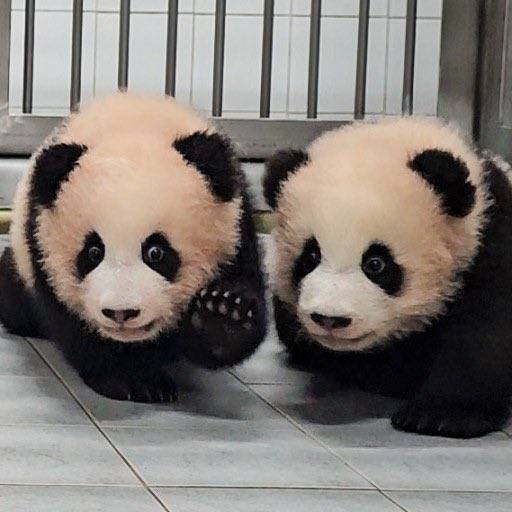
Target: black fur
x: 52, y: 168
x: 278, y: 168
x: 85, y: 262
x: 391, y: 278
x: 449, y: 177
x: 308, y: 260
x: 214, y: 158
x: 140, y: 371
x: 170, y: 262
x: 219, y: 340
x: 457, y: 374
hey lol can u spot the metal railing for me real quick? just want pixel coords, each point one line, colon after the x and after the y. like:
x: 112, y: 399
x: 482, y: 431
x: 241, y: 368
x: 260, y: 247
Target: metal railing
x: 257, y: 138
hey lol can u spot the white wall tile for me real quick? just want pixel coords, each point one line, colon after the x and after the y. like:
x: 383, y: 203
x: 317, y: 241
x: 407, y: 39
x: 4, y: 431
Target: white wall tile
x: 426, y: 8
x: 242, y: 68
x: 376, y: 69
x: 426, y: 75
x: 242, y: 62
x: 203, y: 62
x: 16, y: 59
x: 298, y: 65
x: 340, y: 7
x: 148, y: 49
x: 280, y: 63
x: 52, y: 59
x: 242, y: 6
x: 338, y: 46
x: 145, y: 5
x: 107, y: 48
x: 53, y: 5
x: 395, y: 69
x: 146, y: 71
x: 426, y: 68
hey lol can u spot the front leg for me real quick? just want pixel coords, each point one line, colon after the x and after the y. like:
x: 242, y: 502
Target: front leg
x: 459, y: 420
x: 225, y: 323
x: 467, y: 392
x: 157, y: 387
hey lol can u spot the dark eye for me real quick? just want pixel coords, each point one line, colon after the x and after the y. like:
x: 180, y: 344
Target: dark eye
x: 309, y: 259
x: 380, y: 267
x: 374, y: 265
x: 155, y: 254
x: 95, y: 253
x: 91, y: 255
x: 159, y: 255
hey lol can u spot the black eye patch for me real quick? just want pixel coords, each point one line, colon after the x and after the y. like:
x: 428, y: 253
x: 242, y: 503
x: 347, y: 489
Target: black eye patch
x: 91, y: 255
x: 160, y: 256
x: 381, y: 268
x: 309, y: 259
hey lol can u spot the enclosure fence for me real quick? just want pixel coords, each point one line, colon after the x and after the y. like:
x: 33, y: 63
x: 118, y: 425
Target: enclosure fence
x: 19, y: 134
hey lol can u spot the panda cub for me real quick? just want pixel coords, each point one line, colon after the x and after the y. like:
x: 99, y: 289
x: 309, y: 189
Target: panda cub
x: 393, y: 270
x: 132, y: 245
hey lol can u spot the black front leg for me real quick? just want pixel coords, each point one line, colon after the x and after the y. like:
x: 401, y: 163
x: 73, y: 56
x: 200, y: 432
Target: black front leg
x: 467, y: 392
x: 225, y: 322
x: 149, y: 387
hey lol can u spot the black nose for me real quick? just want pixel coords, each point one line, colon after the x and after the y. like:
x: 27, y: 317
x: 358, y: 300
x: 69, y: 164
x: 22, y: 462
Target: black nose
x: 121, y: 315
x: 331, y: 322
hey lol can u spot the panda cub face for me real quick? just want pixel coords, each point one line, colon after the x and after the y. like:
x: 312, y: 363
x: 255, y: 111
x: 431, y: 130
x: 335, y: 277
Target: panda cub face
x: 374, y: 225
x: 130, y: 230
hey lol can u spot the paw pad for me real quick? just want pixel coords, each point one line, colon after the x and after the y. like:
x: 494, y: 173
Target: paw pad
x: 226, y: 304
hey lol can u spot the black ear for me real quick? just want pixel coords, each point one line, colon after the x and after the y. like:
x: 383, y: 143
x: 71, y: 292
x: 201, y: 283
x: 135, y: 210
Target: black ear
x: 214, y: 158
x: 278, y: 167
x: 449, y: 177
x: 52, y: 168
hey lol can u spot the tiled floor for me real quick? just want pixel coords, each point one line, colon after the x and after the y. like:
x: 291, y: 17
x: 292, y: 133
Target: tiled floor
x: 260, y: 438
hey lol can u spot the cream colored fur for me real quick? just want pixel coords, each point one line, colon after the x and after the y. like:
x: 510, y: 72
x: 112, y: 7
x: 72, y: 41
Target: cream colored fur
x: 129, y: 184
x: 357, y: 189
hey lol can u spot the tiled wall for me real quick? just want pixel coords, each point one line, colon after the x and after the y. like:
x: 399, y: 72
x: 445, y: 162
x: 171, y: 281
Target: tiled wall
x: 242, y: 54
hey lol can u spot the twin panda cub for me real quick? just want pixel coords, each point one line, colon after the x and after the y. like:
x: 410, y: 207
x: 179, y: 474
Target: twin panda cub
x: 132, y: 245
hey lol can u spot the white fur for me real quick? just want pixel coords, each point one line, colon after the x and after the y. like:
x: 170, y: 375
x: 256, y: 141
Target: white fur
x: 129, y: 184
x: 357, y: 189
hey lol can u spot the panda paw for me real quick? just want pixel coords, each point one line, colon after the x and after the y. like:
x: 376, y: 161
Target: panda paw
x: 157, y: 389
x: 232, y: 307
x: 443, y: 420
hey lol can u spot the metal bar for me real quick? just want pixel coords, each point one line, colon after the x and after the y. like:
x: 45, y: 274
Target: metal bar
x: 410, y: 45
x: 255, y: 138
x: 124, y: 44
x: 28, y: 56
x: 5, y: 51
x: 314, y: 57
x: 172, y: 45
x: 218, y: 57
x: 76, y: 55
x: 266, y: 58
x: 362, y: 59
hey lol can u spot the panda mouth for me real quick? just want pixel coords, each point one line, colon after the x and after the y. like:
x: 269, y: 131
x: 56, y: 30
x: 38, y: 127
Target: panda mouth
x: 128, y: 333
x: 350, y: 340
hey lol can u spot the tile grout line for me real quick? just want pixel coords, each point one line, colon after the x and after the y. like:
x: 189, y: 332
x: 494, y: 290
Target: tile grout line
x: 324, y: 445
x: 308, y: 434
x: 102, y: 433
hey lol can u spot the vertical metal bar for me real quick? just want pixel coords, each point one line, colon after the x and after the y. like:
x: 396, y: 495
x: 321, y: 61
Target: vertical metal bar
x: 218, y: 57
x: 314, y: 57
x: 410, y: 44
x: 124, y: 44
x: 362, y: 59
x: 5, y: 51
x: 172, y: 44
x: 28, y: 56
x: 76, y: 55
x: 266, y: 59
